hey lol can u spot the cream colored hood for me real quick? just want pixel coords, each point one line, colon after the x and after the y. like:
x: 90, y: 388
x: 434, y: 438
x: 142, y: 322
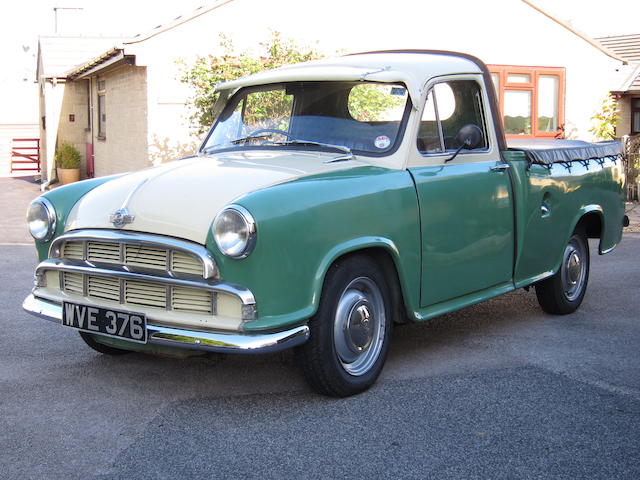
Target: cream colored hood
x: 181, y: 198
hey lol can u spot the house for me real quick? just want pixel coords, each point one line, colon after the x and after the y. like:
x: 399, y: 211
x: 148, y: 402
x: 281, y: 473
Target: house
x: 129, y: 107
x: 65, y: 107
x: 628, y: 94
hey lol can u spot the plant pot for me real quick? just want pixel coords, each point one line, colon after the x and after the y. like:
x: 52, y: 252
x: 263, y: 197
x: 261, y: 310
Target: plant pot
x: 68, y: 175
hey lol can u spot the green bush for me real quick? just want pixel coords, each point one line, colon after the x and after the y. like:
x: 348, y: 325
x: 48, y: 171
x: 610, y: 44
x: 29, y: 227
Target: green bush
x: 203, y: 75
x: 67, y: 156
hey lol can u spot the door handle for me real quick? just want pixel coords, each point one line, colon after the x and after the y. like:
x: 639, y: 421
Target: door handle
x: 501, y: 167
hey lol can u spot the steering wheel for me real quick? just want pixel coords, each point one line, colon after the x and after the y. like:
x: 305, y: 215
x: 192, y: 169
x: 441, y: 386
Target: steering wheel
x: 257, y: 133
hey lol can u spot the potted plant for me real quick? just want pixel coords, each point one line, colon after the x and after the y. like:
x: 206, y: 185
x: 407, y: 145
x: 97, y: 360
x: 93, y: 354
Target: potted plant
x: 68, y: 163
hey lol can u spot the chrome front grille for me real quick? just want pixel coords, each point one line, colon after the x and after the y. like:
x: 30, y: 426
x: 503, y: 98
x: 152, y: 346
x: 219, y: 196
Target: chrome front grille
x: 139, y: 293
x: 168, y: 260
x: 183, y: 263
x: 138, y: 270
x: 146, y: 257
x: 72, y: 282
x: 73, y: 250
x: 145, y: 293
x: 191, y: 300
x: 101, y: 251
x: 103, y: 287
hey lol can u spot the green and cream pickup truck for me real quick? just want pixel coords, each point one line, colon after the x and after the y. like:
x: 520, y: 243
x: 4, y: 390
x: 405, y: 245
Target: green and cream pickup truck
x: 330, y: 200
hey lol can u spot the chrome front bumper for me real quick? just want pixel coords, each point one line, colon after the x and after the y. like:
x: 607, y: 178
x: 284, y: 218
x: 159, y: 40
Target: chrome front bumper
x: 181, y: 338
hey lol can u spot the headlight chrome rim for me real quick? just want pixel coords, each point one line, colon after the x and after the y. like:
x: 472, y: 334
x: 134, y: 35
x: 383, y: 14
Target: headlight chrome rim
x: 50, y: 219
x: 250, y: 226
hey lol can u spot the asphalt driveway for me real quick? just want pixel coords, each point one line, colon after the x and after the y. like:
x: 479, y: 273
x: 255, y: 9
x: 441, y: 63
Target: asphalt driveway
x: 498, y: 390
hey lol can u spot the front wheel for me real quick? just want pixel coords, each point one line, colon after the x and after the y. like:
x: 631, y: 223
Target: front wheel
x: 350, y: 332
x: 563, y: 292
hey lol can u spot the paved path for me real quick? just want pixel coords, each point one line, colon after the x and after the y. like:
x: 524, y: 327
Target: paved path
x: 15, y: 196
x: 498, y: 390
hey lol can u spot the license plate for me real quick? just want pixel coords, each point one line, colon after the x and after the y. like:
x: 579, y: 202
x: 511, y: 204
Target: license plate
x: 104, y: 321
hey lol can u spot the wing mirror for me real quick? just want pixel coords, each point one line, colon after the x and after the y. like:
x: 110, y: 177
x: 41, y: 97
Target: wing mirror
x: 469, y: 137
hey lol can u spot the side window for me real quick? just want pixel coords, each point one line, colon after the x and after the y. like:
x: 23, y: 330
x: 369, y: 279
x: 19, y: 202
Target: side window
x: 450, y: 106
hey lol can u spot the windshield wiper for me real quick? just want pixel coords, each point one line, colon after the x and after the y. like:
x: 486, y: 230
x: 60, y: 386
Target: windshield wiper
x: 250, y: 137
x: 348, y: 154
x: 209, y: 149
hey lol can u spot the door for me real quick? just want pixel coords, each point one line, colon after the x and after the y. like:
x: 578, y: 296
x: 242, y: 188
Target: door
x: 466, y: 205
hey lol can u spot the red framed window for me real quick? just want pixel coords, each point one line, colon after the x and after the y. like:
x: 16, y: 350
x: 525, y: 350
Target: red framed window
x: 531, y: 100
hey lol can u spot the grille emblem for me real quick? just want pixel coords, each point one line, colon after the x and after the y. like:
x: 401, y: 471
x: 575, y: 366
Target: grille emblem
x: 121, y: 217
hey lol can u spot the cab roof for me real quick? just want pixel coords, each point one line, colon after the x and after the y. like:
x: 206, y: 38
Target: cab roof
x: 410, y: 67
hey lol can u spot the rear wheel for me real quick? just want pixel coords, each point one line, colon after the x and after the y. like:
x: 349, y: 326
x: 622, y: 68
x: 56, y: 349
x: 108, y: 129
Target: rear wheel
x: 99, y: 347
x: 563, y: 292
x: 350, y: 332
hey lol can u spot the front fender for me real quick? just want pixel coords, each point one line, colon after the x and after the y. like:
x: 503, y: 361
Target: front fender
x: 63, y: 199
x: 306, y: 224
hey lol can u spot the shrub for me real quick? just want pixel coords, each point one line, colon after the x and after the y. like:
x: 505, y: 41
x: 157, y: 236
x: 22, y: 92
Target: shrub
x: 604, y: 121
x: 67, y: 156
x: 203, y: 75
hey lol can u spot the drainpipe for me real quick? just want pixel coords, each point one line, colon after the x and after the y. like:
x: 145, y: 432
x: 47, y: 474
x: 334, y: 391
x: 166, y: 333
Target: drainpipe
x: 91, y: 158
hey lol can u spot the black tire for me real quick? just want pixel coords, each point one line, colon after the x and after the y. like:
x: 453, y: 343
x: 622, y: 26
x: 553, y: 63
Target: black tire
x: 349, y: 335
x: 562, y: 293
x: 99, y: 347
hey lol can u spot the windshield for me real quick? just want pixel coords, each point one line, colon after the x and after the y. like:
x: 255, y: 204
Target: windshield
x: 363, y: 117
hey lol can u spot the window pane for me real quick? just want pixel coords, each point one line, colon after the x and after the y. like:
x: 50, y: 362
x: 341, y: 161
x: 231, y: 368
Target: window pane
x: 635, y: 103
x: 517, y: 112
x: 267, y: 110
x: 266, y: 117
x: 548, y: 103
x: 635, y: 124
x: 372, y: 102
x: 102, y: 116
x: 445, y: 100
x: 518, y: 78
x: 428, y: 135
x: 461, y: 106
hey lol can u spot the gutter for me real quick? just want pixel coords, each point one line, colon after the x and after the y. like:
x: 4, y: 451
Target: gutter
x: 111, y: 57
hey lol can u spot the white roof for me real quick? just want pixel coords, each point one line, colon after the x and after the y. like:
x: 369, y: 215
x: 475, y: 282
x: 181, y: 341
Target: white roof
x: 411, y: 68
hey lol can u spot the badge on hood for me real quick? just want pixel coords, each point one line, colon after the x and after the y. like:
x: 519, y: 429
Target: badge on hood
x: 121, y: 218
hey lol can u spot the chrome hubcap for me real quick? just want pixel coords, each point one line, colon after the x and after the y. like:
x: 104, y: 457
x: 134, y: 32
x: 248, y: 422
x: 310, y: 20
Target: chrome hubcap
x: 359, y: 326
x: 573, y: 271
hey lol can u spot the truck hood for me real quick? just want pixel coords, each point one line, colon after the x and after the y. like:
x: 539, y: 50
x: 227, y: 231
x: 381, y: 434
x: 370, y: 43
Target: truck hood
x: 181, y: 198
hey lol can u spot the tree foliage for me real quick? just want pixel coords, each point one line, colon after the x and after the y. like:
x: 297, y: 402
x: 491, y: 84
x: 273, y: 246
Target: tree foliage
x: 203, y: 75
x: 604, y: 121
x: 366, y: 102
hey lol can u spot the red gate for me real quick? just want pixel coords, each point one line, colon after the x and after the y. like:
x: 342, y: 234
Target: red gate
x: 25, y: 155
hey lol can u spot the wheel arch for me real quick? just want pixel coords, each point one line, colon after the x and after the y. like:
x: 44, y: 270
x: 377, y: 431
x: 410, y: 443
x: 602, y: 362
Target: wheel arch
x: 385, y: 253
x: 590, y: 219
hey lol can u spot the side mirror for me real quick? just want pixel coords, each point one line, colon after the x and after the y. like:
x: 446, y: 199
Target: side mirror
x: 469, y: 137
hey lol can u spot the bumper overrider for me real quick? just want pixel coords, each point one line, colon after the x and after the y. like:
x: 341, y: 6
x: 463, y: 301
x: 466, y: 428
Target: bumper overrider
x: 74, y: 254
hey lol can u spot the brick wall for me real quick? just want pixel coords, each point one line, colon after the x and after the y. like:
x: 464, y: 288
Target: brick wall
x: 124, y: 147
x: 623, y: 126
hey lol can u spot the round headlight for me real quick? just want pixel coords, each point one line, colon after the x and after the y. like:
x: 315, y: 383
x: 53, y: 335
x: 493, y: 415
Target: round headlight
x: 41, y: 218
x: 234, y: 231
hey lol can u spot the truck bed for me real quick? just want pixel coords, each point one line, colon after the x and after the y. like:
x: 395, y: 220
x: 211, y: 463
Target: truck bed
x: 548, y: 152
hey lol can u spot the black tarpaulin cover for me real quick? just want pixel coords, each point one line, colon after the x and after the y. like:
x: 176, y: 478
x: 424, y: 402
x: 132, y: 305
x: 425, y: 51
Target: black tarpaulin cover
x: 547, y: 152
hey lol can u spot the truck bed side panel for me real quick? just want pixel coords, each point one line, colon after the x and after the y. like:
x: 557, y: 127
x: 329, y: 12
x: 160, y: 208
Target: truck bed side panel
x: 552, y: 200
